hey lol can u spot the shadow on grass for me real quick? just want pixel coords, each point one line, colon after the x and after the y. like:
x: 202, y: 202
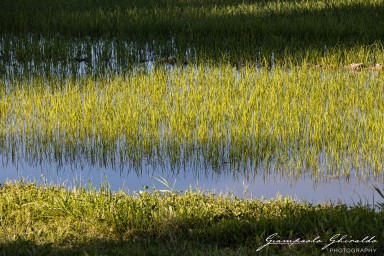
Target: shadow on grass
x: 239, y: 26
x: 229, y: 235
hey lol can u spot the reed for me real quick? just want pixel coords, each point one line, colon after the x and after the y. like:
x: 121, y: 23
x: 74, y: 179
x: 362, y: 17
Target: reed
x: 225, y: 84
x: 236, y: 26
x: 326, y: 121
x: 26, y: 56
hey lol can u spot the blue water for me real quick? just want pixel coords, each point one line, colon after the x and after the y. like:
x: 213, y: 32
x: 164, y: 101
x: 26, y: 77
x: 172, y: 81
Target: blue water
x: 248, y: 185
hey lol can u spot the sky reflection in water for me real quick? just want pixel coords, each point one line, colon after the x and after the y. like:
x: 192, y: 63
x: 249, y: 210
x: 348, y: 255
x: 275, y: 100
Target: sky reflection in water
x: 304, y: 188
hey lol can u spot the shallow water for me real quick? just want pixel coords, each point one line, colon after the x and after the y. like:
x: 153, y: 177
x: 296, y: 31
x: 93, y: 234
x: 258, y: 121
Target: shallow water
x: 54, y: 59
x: 244, y: 185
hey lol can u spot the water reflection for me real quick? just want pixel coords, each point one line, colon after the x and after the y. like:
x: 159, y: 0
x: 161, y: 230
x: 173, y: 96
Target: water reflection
x: 333, y: 190
x: 62, y: 59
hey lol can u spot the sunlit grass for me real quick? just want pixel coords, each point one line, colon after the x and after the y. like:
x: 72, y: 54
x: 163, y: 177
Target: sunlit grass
x: 258, y: 85
x: 223, y: 85
x: 53, y: 220
x: 329, y: 122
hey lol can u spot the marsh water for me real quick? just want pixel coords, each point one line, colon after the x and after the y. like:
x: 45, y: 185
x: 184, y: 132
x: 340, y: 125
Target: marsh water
x: 29, y: 58
x: 243, y: 185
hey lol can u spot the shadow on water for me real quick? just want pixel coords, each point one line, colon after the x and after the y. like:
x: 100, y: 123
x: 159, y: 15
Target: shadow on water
x: 242, y: 28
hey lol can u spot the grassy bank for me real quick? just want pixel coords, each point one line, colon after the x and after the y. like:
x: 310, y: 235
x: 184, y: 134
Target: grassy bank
x: 52, y: 220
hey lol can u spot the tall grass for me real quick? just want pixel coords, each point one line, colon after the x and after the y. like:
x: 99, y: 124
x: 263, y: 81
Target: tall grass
x: 328, y: 122
x: 239, y: 26
x: 265, y: 84
x: 28, y: 55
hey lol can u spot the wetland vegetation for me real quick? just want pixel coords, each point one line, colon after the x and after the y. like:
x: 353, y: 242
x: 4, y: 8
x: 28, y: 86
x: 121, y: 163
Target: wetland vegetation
x: 299, y: 119
x: 288, y: 87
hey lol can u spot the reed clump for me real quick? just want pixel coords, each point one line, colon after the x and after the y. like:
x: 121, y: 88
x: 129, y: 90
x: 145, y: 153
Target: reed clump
x: 220, y: 84
x: 329, y: 122
x: 26, y: 56
x: 239, y: 26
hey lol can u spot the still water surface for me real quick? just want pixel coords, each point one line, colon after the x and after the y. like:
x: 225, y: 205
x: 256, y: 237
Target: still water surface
x: 305, y: 188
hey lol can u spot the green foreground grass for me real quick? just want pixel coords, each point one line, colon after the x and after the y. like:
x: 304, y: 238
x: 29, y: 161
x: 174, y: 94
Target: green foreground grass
x: 53, y: 220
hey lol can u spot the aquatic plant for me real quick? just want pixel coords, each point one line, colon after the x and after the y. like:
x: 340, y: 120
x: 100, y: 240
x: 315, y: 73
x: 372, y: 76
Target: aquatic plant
x: 326, y: 122
x: 381, y: 194
x: 227, y: 85
x: 239, y: 27
x: 25, y: 56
